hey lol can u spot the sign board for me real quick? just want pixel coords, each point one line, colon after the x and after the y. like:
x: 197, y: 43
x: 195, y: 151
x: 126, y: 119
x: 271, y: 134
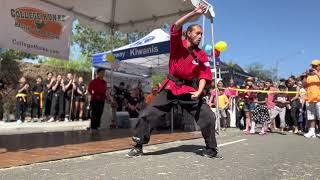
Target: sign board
x: 35, y: 27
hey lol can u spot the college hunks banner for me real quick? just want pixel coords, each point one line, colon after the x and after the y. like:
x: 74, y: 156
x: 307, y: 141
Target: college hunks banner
x: 35, y: 27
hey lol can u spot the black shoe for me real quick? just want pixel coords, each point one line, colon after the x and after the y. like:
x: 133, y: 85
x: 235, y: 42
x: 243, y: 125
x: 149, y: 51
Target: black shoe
x: 212, y: 153
x: 135, y: 151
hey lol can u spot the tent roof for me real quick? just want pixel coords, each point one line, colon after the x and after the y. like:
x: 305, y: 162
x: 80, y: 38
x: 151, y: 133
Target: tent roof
x: 150, y: 51
x: 124, y: 15
x: 155, y: 36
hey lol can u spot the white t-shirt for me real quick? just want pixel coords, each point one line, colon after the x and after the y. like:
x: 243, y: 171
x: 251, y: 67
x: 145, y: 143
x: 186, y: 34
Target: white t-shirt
x: 302, y: 94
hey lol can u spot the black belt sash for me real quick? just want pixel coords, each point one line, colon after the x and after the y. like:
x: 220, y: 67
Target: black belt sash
x: 182, y: 81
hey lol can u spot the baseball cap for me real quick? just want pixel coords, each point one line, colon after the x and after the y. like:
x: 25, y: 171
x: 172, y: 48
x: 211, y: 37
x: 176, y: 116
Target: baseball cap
x: 315, y: 62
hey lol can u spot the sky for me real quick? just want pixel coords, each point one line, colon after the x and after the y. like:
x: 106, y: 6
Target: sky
x: 268, y: 31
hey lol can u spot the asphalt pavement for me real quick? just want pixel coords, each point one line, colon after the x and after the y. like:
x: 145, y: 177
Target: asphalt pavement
x: 254, y: 157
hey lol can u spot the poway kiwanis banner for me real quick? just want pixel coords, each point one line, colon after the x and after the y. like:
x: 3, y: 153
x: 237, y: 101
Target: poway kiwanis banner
x: 35, y: 27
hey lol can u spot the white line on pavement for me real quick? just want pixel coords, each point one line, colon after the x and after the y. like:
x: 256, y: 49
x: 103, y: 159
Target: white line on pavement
x: 232, y: 142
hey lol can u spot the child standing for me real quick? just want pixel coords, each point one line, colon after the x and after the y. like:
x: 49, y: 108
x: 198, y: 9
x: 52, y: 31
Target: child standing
x: 36, y: 103
x: 223, y: 103
x: 261, y: 113
x: 281, y: 101
x: 21, y: 99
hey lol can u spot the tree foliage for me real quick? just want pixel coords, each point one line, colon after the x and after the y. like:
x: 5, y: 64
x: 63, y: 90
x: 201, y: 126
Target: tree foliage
x: 81, y: 64
x: 91, y: 41
x: 156, y: 79
x: 231, y: 63
x: 258, y: 70
x: 8, y: 54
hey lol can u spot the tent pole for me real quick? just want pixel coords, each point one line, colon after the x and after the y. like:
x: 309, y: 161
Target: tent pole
x: 215, y: 78
x: 203, y: 28
x: 92, y: 73
x: 113, y: 110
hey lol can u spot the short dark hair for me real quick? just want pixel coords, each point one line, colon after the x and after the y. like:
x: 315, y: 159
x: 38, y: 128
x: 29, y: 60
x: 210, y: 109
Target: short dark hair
x: 269, y: 81
x: 122, y: 84
x: 39, y: 77
x: 293, y: 77
x: 49, y: 73
x: 190, y: 28
x: 282, y: 87
x: 99, y: 70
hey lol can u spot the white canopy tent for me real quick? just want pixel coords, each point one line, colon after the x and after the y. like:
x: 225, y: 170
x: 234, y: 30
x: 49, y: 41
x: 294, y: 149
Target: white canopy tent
x: 151, y: 51
x: 124, y: 15
x: 143, y: 57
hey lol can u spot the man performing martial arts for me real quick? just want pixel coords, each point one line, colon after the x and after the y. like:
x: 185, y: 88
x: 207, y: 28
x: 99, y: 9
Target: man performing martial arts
x: 189, y: 72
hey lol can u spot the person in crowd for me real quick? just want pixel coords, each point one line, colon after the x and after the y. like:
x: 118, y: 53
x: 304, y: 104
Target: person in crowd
x: 312, y: 98
x: 69, y: 88
x: 21, y: 99
x: 186, y: 63
x: 80, y: 98
x: 240, y: 109
x: 212, y: 100
x: 36, y: 103
x: 140, y: 92
x: 223, y: 104
x: 133, y: 103
x: 283, y: 82
x: 232, y: 94
x: 98, y: 94
x: 47, y: 95
x: 120, y: 96
x: 281, y: 101
x: 57, y: 106
x: 249, y: 97
x: 270, y: 103
x: 302, y: 119
x: 151, y: 96
x: 295, y: 103
x: 261, y: 113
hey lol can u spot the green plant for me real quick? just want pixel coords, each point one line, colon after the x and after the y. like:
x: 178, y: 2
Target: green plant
x: 156, y: 79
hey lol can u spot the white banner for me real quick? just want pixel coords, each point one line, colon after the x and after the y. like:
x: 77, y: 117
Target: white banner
x: 35, y: 27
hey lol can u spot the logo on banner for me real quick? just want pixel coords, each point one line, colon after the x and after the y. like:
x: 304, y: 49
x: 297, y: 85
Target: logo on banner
x: 143, y: 41
x: 38, y: 23
x: 144, y: 51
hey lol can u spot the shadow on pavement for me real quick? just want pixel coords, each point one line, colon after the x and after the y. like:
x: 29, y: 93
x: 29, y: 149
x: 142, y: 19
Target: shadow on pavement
x: 183, y: 148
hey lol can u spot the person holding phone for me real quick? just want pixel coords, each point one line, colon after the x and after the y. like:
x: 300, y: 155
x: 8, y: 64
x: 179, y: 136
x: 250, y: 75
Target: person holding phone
x: 312, y: 98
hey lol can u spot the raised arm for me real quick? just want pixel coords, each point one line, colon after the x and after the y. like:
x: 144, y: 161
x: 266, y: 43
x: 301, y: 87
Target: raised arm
x: 193, y: 14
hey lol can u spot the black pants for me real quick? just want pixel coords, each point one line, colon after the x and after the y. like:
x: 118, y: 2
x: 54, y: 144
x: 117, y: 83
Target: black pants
x: 294, y: 114
x: 21, y: 106
x: 47, y: 101
x: 119, y: 103
x: 67, y: 106
x: 35, y: 106
x: 150, y: 117
x: 96, y: 113
x: 57, y: 105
